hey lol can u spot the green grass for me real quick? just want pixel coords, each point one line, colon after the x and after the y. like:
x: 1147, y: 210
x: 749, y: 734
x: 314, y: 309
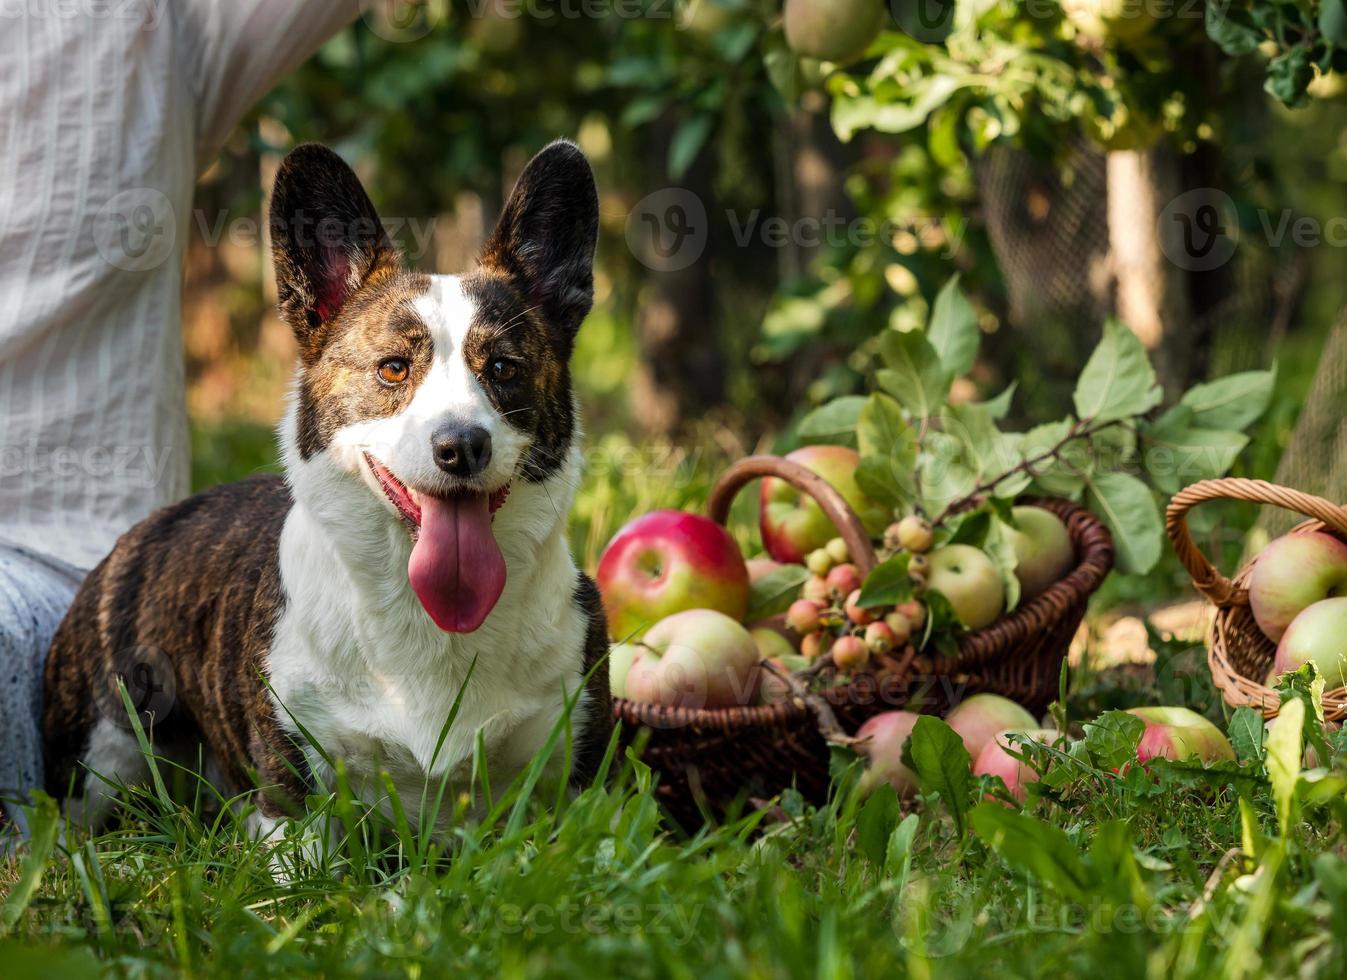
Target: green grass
x: 1100, y: 875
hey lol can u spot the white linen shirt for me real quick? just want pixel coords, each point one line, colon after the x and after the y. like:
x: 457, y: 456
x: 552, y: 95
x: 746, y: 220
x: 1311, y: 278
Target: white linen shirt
x: 108, y: 111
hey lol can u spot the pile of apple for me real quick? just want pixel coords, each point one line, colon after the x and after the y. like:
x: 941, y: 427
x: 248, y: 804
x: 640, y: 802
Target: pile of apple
x: 675, y: 587
x: 1298, y: 594
x: 995, y: 732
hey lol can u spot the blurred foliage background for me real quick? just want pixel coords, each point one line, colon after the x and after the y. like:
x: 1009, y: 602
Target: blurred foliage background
x: 1030, y: 152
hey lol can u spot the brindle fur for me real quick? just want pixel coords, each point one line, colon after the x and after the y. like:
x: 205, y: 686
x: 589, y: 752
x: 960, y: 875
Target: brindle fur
x: 199, y: 581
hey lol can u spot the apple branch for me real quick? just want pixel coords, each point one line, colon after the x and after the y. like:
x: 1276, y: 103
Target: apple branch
x: 828, y: 726
x: 1080, y: 429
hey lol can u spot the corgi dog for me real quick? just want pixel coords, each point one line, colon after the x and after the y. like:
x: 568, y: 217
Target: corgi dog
x: 415, y: 547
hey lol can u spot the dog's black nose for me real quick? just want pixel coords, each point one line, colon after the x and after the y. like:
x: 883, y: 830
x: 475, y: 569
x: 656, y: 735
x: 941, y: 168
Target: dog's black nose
x: 461, y: 450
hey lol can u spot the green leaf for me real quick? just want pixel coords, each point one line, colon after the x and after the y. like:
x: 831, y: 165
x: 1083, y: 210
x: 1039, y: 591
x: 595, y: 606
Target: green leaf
x: 833, y: 422
x: 885, y: 482
x: 881, y: 430
x: 1333, y: 21
x: 887, y: 584
x: 1284, y: 748
x: 687, y: 142
x: 1064, y: 476
x: 775, y: 591
x: 1231, y: 28
x: 1246, y: 734
x: 1034, y: 847
x: 999, y: 546
x: 1118, y: 381
x: 876, y: 822
x: 953, y: 330
x: 1178, y: 454
x: 936, y: 753
x: 1232, y: 403
x: 999, y: 407
x: 1289, y: 74
x: 1128, y: 507
x: 1112, y: 739
x: 44, y: 822
x: 899, y: 856
x: 914, y: 374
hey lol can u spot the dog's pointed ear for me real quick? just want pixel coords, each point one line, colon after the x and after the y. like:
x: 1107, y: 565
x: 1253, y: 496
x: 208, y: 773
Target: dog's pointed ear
x: 545, y: 238
x: 326, y: 240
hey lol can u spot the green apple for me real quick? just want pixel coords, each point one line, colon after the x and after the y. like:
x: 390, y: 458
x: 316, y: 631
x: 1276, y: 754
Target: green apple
x: 1043, y: 550
x: 832, y: 30
x: 698, y: 658
x: 1318, y: 636
x: 1292, y: 574
x: 793, y: 524
x: 968, y: 579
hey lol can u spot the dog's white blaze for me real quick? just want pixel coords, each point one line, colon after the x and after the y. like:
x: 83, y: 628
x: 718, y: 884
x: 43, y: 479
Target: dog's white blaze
x: 355, y: 658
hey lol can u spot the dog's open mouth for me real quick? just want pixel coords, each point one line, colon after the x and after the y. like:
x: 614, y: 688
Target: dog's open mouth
x: 456, y: 569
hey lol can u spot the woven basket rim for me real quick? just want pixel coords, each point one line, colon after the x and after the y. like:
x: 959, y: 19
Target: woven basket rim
x: 1231, y: 597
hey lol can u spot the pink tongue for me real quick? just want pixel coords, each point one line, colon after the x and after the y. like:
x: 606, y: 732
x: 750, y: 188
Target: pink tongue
x: 456, y: 569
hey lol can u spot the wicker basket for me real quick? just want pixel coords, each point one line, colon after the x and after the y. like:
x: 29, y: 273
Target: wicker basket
x: 1239, y: 655
x: 708, y: 758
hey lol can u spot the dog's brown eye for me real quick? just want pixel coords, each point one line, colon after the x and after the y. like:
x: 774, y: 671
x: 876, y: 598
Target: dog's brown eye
x: 394, y: 371
x: 502, y: 370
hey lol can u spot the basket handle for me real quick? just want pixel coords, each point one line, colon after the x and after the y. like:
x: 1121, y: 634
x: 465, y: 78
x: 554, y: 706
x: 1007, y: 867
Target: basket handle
x: 834, y: 505
x: 1210, y: 582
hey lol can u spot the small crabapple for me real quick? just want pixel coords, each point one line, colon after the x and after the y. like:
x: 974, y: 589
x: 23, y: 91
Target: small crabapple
x: 879, y: 638
x: 916, y: 534
x: 900, y: 626
x: 815, y: 644
x: 856, y: 612
x: 850, y: 652
x: 815, y: 590
x: 843, y: 580
x: 838, y: 551
x: 818, y: 561
x: 915, y: 613
x: 803, y: 616
x: 891, y: 539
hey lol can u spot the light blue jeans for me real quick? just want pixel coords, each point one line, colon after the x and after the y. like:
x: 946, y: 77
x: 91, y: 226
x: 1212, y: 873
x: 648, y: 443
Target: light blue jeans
x: 34, y: 595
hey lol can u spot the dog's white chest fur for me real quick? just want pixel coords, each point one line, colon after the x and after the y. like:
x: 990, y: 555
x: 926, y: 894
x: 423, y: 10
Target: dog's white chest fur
x: 358, y: 665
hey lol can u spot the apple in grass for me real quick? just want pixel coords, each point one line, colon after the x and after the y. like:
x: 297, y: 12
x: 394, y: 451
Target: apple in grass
x: 996, y: 758
x: 880, y: 743
x: 1180, y: 733
x: 698, y: 658
x: 1043, y: 550
x: 968, y: 579
x: 793, y: 524
x: 669, y: 561
x: 979, y: 718
x: 1292, y: 574
x: 1318, y: 636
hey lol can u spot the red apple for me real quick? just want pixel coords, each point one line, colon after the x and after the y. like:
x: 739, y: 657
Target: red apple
x: 977, y: 720
x: 1292, y: 574
x: 1177, y: 733
x: 1319, y: 636
x: 1043, y: 550
x: 850, y: 653
x: 968, y: 579
x: 793, y: 524
x: 668, y: 561
x: 881, y: 744
x: 995, y: 759
x: 698, y: 658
